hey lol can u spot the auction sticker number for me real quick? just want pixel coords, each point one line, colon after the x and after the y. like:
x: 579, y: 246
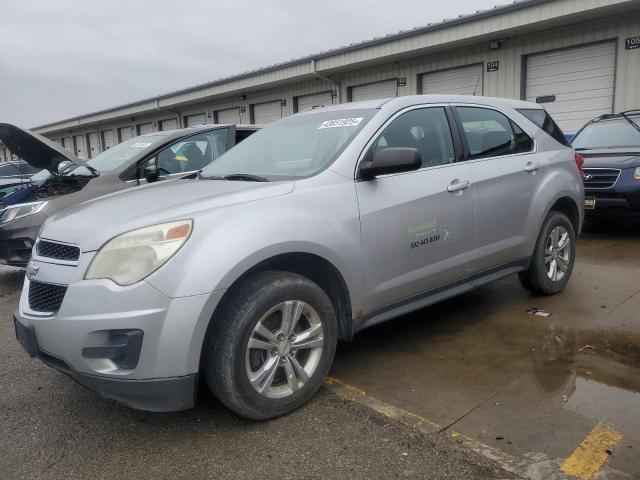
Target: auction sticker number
x: 341, y: 122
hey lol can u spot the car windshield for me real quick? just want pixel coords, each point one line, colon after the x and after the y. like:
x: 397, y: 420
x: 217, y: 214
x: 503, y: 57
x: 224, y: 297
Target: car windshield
x: 608, y: 134
x: 296, y: 147
x: 115, y: 157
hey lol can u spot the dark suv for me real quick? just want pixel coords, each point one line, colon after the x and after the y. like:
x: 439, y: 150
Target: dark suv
x: 67, y: 180
x: 610, y: 145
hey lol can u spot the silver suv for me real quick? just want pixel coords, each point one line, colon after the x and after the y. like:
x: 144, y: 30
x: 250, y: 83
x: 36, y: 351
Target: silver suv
x: 322, y: 224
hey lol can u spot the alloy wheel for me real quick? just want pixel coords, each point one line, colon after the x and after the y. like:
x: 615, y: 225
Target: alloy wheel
x: 284, y: 349
x: 557, y: 253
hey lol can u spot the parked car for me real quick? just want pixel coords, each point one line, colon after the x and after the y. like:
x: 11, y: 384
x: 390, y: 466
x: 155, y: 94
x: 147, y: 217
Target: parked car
x: 320, y: 225
x: 15, y: 176
x: 610, y: 145
x: 67, y: 180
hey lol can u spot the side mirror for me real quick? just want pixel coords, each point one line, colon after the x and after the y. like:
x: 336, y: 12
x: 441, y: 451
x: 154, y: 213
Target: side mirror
x: 151, y: 173
x: 390, y: 160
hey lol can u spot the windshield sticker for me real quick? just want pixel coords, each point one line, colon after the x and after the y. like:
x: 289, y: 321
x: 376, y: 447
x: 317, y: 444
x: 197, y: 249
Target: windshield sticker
x: 341, y: 122
x: 140, y: 145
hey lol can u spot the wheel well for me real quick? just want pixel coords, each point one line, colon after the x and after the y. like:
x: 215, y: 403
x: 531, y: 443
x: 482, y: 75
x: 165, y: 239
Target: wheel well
x: 567, y: 206
x: 319, y: 271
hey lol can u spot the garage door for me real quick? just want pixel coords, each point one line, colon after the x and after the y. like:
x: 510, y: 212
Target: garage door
x: 145, y: 128
x: 371, y: 91
x: 94, y: 148
x: 230, y: 115
x: 108, y: 139
x: 305, y: 102
x: 574, y: 85
x: 195, y: 120
x: 67, y: 143
x: 80, y: 150
x: 170, y: 124
x: 454, y: 81
x: 125, y: 133
x: 264, y: 113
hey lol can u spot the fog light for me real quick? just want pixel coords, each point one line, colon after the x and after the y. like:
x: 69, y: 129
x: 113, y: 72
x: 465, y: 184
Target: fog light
x: 636, y: 173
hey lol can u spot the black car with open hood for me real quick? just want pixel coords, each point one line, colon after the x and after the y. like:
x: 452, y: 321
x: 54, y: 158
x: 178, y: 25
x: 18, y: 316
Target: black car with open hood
x: 67, y: 180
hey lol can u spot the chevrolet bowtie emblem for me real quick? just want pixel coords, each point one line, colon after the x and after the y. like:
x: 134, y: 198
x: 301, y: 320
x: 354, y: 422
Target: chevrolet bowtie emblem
x: 32, y: 270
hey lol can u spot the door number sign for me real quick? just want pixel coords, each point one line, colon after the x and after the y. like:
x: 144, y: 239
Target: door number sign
x: 632, y: 43
x: 493, y: 66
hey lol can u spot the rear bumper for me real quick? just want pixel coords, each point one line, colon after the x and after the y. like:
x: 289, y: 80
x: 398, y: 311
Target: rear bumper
x: 155, y: 395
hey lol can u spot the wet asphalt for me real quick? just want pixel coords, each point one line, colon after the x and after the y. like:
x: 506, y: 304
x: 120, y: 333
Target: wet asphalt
x: 479, y: 364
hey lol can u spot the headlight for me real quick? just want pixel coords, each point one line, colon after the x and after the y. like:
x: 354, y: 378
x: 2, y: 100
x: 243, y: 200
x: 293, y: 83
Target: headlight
x: 636, y: 173
x: 132, y: 256
x: 21, y: 210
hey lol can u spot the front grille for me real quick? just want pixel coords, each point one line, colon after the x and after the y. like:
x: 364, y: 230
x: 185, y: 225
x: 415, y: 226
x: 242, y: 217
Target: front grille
x: 59, y: 251
x: 45, y: 297
x: 600, y: 177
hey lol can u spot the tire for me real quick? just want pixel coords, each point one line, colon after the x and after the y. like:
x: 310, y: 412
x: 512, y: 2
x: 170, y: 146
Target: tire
x: 540, y: 276
x: 267, y: 298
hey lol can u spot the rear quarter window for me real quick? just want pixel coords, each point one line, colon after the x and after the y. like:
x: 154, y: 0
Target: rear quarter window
x: 543, y: 120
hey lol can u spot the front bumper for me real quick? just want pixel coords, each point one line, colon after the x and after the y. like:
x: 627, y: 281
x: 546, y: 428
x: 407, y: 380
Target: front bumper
x: 84, y: 338
x: 622, y: 199
x: 156, y: 395
x: 16, y: 245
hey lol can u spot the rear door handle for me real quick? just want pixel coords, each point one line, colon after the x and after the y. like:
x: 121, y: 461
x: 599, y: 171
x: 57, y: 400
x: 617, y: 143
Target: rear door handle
x: 458, y: 185
x: 532, y: 167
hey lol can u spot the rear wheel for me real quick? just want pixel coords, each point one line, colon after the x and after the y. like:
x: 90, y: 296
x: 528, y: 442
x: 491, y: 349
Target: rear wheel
x: 271, y: 345
x: 553, y: 257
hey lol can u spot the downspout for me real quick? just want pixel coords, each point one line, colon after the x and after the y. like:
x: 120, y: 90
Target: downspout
x: 170, y: 111
x: 327, y: 79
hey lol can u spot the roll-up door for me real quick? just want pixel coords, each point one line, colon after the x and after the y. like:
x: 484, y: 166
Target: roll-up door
x: 108, y: 139
x: 94, y: 148
x: 454, y: 81
x: 305, y: 102
x: 264, y: 113
x: 372, y: 91
x: 230, y: 115
x: 125, y: 133
x: 145, y: 128
x: 195, y: 120
x: 170, y: 124
x: 574, y: 85
x: 79, y: 150
x: 67, y: 143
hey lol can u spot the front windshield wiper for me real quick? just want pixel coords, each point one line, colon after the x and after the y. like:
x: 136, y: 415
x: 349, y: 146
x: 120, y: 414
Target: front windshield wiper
x: 246, y: 177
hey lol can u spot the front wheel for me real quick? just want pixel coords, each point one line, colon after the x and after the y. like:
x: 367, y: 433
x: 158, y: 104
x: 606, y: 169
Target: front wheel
x: 271, y: 345
x: 553, y: 256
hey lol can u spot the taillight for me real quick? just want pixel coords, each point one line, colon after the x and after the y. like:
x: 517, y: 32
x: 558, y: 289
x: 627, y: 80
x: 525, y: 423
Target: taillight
x: 580, y: 163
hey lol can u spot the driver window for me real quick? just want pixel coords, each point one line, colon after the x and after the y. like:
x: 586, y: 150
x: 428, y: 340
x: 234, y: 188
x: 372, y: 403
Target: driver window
x: 425, y: 129
x: 190, y: 154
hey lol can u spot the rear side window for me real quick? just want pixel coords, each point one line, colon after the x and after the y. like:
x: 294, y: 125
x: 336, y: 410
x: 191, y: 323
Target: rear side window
x: 543, y: 120
x: 490, y: 133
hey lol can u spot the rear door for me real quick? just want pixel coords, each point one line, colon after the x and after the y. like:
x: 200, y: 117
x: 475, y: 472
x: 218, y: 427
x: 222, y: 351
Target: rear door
x: 503, y: 170
x: 417, y: 235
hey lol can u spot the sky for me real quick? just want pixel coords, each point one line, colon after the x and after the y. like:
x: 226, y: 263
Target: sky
x: 62, y: 58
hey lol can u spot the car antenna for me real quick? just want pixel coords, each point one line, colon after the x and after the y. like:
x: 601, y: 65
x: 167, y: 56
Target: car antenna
x: 476, y: 89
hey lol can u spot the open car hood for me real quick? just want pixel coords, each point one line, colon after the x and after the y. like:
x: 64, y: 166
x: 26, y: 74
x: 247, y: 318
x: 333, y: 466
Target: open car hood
x: 36, y: 150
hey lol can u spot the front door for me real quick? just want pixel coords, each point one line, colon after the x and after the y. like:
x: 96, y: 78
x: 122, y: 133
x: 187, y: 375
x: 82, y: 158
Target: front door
x: 417, y: 227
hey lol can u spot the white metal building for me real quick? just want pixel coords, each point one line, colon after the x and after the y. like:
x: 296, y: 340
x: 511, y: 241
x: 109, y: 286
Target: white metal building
x: 579, y: 58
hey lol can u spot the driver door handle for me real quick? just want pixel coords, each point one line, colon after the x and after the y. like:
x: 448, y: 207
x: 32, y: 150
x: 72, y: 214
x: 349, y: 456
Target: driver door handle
x: 532, y: 167
x: 458, y: 185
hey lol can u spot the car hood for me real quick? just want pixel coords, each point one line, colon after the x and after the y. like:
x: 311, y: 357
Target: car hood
x: 36, y: 150
x: 92, y: 223
x: 611, y: 158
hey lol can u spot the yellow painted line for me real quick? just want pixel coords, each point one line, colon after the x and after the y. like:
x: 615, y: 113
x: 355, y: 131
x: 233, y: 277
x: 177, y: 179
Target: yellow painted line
x: 591, y: 454
x: 357, y: 395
